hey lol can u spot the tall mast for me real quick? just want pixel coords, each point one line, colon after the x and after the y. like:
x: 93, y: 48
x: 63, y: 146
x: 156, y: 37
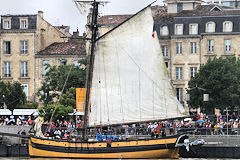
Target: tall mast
x: 94, y: 28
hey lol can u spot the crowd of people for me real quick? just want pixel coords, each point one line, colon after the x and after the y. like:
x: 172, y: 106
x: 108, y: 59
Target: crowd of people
x: 197, y: 124
x: 16, y: 120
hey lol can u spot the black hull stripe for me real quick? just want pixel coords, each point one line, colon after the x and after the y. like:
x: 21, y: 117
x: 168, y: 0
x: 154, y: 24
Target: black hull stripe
x: 94, y: 150
x: 81, y: 157
x: 57, y: 140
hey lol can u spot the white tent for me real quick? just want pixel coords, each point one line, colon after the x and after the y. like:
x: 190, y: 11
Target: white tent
x: 25, y: 112
x: 5, y: 112
x: 76, y: 113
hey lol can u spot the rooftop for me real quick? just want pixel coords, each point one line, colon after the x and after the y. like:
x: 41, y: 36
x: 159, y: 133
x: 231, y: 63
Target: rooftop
x: 113, y: 19
x: 209, y: 10
x: 157, y: 11
x: 75, y: 46
x: 18, y: 15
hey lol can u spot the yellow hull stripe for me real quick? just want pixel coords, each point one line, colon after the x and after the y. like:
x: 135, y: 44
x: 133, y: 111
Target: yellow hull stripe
x: 161, y: 153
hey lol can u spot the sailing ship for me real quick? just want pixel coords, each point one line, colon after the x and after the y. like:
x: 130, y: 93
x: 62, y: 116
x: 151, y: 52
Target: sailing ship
x: 130, y: 84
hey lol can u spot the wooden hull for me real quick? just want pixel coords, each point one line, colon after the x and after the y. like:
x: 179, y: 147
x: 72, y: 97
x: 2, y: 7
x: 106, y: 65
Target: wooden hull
x: 151, y: 148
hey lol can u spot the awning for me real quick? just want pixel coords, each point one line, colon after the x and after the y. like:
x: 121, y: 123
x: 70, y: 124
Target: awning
x: 5, y: 112
x: 79, y: 113
x: 25, y: 112
x: 76, y: 113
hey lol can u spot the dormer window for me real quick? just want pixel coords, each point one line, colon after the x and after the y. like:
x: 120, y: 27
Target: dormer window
x: 193, y: 28
x: 178, y: 29
x: 227, y: 26
x: 7, y: 24
x: 210, y: 27
x: 164, y: 31
x: 23, y: 23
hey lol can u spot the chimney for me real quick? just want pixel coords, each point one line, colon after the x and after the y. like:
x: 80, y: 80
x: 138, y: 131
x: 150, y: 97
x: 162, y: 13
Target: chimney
x: 40, y: 13
x: 76, y: 34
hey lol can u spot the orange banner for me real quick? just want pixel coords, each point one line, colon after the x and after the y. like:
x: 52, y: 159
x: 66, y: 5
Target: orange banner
x: 80, y: 99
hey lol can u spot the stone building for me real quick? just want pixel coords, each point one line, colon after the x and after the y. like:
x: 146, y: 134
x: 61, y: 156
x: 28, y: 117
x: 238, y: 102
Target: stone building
x: 229, y: 3
x: 189, y: 34
x: 21, y: 38
x: 59, y: 53
x: 190, y: 37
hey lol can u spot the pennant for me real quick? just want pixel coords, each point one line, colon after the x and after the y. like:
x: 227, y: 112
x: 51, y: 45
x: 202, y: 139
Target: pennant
x: 154, y: 30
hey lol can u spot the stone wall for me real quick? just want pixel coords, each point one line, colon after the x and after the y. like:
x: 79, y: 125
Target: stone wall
x: 14, y: 130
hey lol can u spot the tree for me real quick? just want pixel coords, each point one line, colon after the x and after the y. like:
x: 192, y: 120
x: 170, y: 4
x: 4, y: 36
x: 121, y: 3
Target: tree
x: 30, y: 105
x: 61, y: 112
x: 69, y: 98
x: 61, y: 78
x: 220, y: 78
x: 12, y: 95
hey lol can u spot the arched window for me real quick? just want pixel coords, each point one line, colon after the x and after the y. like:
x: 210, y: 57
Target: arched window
x: 210, y: 27
x: 164, y: 30
x: 227, y: 26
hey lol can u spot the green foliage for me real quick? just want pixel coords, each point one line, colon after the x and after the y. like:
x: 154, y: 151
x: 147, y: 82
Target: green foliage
x: 30, y: 105
x: 61, y: 112
x: 12, y: 94
x: 56, y: 78
x: 69, y: 98
x: 221, y: 79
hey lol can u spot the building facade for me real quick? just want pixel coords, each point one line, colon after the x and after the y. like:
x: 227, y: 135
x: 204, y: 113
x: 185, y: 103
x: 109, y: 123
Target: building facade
x: 189, y: 38
x: 21, y: 38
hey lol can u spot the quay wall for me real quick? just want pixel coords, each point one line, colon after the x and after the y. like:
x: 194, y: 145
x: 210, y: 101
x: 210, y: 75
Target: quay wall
x: 14, y: 130
x: 216, y: 146
x: 218, y: 140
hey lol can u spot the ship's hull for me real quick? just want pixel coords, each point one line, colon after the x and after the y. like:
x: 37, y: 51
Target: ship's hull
x: 151, y: 148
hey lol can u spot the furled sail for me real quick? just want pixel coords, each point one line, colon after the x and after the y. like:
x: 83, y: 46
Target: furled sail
x: 130, y: 79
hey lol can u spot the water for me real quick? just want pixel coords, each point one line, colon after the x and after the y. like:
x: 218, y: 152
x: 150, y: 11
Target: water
x: 27, y: 158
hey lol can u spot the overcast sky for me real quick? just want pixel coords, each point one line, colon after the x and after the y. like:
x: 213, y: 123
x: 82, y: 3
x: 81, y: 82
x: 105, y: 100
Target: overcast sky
x: 64, y: 12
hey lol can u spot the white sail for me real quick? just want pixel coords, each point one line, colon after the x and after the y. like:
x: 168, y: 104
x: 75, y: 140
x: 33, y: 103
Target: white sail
x: 130, y: 79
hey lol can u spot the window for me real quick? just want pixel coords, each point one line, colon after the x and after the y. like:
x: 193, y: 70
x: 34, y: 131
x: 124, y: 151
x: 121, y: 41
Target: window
x: 227, y: 26
x: 179, y: 94
x: 227, y: 45
x: 24, y: 47
x: 210, y: 27
x: 179, y: 29
x: 164, y: 30
x: 45, y: 68
x: 179, y: 73
x: 193, y: 29
x: 179, y: 7
x: 63, y: 62
x: 193, y: 47
x: 24, y: 69
x: 25, y: 89
x: 179, y: 48
x: 210, y: 46
x: 6, y: 24
x: 23, y: 24
x: 7, y: 47
x: 193, y: 71
x: 165, y: 51
x: 7, y: 69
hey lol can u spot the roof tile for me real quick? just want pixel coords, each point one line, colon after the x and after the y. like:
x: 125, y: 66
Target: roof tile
x: 72, y: 47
